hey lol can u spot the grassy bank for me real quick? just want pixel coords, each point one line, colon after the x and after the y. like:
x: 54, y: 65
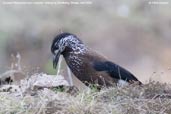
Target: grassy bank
x: 152, y: 98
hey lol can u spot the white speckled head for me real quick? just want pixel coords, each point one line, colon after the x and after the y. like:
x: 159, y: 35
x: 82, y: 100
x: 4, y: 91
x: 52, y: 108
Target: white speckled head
x: 67, y: 43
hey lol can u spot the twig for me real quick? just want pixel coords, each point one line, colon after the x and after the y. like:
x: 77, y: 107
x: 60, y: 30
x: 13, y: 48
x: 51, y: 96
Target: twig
x: 70, y: 76
x: 59, y: 66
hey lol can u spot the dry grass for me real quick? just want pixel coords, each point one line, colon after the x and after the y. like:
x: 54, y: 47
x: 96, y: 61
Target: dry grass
x: 152, y: 98
x: 24, y: 98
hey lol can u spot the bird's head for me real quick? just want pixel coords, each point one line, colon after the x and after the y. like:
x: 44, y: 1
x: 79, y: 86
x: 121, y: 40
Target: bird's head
x: 65, y: 43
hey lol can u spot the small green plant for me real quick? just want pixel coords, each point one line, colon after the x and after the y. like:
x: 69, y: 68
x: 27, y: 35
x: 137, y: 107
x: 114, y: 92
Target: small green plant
x: 95, y: 87
x: 59, y: 89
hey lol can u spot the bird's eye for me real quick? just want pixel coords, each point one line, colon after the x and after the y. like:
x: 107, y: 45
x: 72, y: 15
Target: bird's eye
x: 56, y: 51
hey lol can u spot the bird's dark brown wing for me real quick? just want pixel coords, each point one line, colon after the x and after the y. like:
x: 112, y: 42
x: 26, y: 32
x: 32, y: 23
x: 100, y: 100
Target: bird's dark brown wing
x: 101, y: 64
x: 114, y: 70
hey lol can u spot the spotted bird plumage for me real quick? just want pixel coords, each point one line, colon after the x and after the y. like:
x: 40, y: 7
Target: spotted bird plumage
x: 87, y: 65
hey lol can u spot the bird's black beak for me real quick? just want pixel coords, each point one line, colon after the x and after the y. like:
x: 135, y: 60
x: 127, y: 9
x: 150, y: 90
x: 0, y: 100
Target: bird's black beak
x: 56, y: 59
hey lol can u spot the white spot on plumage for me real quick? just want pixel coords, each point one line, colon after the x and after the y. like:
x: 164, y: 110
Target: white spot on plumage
x: 122, y: 83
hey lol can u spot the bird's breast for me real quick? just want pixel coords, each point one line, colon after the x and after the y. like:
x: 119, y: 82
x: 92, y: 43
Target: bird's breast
x: 81, y: 66
x: 74, y: 62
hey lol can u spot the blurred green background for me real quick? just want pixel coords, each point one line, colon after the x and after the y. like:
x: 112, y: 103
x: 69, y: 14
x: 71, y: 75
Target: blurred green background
x: 134, y: 34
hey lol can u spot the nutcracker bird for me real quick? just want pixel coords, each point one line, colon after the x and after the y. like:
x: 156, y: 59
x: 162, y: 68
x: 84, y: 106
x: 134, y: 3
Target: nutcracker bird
x: 87, y: 65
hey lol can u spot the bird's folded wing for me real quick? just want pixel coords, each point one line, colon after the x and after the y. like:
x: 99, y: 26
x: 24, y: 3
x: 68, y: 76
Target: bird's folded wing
x: 114, y: 70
